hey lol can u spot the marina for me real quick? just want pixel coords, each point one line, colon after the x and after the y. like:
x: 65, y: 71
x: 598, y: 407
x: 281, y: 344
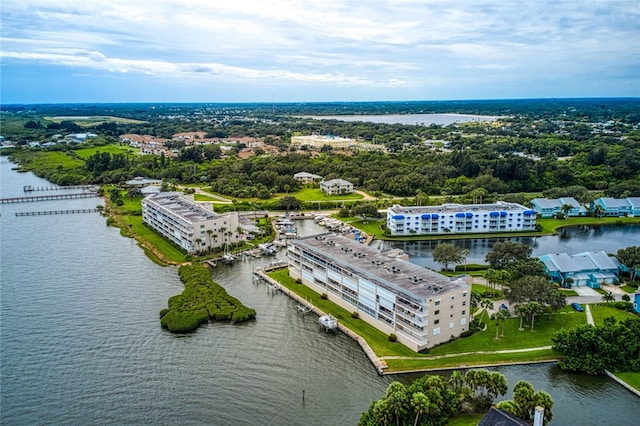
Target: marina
x: 48, y: 197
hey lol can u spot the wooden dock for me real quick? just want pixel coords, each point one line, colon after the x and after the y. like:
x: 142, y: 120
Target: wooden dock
x: 51, y: 212
x: 259, y: 275
x: 48, y: 197
x: 30, y: 188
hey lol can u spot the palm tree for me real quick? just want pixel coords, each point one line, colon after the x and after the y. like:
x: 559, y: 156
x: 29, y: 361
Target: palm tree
x: 209, y: 232
x: 485, y: 304
x: 598, y: 210
x: 609, y: 297
x: 397, y: 399
x: 503, y: 278
x: 490, y: 276
x: 535, y: 308
x: 465, y: 253
x: 566, y: 208
x: 456, y: 381
x: 522, y: 311
x: 420, y: 404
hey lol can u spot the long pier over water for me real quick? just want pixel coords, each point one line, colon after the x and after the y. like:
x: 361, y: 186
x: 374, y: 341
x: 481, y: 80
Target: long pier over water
x: 48, y: 197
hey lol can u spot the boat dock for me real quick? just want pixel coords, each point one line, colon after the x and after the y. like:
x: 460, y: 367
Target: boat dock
x: 30, y: 188
x: 260, y: 275
x: 48, y: 197
x: 50, y: 212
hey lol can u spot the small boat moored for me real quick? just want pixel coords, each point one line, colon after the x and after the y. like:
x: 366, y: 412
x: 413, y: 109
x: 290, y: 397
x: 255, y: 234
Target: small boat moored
x: 329, y: 322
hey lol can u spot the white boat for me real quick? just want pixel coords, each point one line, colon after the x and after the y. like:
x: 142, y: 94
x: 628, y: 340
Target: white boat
x: 329, y: 322
x: 228, y: 258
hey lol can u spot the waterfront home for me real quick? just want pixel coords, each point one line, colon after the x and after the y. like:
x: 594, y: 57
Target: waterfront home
x: 192, y: 226
x: 607, y: 206
x: 304, y: 177
x: 140, y: 182
x: 337, y: 187
x: 421, y: 307
x: 460, y: 219
x: 551, y: 207
x: 589, y: 268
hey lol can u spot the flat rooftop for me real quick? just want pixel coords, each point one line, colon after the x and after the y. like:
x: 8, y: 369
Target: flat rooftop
x: 455, y: 208
x: 182, y: 207
x: 389, y: 272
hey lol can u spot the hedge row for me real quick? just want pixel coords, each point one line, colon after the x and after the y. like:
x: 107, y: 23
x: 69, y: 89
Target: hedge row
x: 202, y: 300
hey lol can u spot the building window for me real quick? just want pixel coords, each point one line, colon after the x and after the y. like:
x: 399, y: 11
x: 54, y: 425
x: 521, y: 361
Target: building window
x: 437, y: 302
x: 463, y: 321
x: 451, y: 325
x: 464, y: 303
x: 436, y: 331
x: 464, y: 312
x: 436, y: 322
x: 436, y: 312
x: 464, y: 294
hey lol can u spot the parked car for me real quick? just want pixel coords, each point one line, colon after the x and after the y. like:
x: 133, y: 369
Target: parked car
x: 503, y: 306
x: 577, y: 307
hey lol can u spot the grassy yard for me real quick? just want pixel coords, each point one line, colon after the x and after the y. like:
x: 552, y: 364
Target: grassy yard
x: 457, y: 352
x: 314, y: 194
x: 465, y: 420
x: 111, y: 149
x: 600, y: 311
x: 92, y: 120
x: 632, y: 379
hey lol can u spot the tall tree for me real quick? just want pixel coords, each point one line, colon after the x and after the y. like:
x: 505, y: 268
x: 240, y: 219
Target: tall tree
x: 503, y: 255
x: 447, y: 253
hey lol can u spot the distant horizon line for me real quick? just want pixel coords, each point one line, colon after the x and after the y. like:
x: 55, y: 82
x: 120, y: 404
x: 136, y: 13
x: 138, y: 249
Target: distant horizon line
x: 2, y: 104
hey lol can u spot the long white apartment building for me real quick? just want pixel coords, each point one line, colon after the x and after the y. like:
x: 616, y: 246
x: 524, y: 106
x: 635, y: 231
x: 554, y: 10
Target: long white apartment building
x: 460, y: 218
x: 192, y: 226
x: 421, y: 307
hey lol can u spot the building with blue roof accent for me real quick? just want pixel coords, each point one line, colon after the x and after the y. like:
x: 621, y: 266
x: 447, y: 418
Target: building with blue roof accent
x: 460, y: 219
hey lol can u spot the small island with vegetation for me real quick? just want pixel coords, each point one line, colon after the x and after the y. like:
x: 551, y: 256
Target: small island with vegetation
x: 201, y: 301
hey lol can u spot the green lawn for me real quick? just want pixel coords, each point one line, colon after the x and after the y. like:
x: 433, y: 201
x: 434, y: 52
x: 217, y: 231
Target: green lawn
x: 465, y: 420
x: 483, y: 289
x: 314, y: 194
x: 93, y: 120
x: 632, y: 379
x: 456, y: 352
x: 111, y: 149
x: 600, y: 311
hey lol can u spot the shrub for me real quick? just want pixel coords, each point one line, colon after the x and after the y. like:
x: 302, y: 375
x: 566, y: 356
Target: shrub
x: 626, y: 297
x: 323, y: 296
x: 393, y: 337
x: 355, y: 315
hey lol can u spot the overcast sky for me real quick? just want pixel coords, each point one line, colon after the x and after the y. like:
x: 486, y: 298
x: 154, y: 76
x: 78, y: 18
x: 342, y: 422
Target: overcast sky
x: 321, y: 50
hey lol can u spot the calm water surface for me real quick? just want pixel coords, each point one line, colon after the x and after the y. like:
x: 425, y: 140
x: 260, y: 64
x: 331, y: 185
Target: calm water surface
x: 80, y: 341
x: 410, y: 119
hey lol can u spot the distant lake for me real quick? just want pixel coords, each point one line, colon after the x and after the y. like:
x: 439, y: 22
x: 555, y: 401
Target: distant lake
x: 410, y: 119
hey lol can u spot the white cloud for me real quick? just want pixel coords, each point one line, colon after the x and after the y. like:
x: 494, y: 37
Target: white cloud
x: 382, y: 43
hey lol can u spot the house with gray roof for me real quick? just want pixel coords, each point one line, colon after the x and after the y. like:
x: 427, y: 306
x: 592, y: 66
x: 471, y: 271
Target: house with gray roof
x: 304, y: 177
x: 337, y: 186
x: 617, y: 207
x: 550, y: 207
x: 592, y: 268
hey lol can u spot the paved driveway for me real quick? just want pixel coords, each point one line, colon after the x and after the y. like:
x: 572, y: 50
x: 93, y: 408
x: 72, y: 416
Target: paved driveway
x: 583, y: 290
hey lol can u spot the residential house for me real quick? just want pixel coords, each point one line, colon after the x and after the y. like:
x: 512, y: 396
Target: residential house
x: 616, y: 207
x: 589, y: 268
x: 337, y: 186
x: 550, y: 207
x: 304, y: 177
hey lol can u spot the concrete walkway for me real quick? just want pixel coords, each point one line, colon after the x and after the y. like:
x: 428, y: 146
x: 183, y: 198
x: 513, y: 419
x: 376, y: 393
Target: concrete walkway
x: 589, y: 316
x: 505, y: 351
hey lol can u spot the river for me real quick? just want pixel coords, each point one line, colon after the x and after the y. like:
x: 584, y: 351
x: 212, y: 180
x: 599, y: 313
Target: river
x: 80, y: 341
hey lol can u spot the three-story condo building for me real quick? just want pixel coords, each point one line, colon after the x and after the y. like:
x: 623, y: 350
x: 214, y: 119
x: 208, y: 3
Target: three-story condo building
x: 460, y: 219
x: 421, y: 307
x: 190, y: 225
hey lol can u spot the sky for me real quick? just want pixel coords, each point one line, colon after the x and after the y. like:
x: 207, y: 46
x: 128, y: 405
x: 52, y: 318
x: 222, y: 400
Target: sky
x: 54, y: 51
